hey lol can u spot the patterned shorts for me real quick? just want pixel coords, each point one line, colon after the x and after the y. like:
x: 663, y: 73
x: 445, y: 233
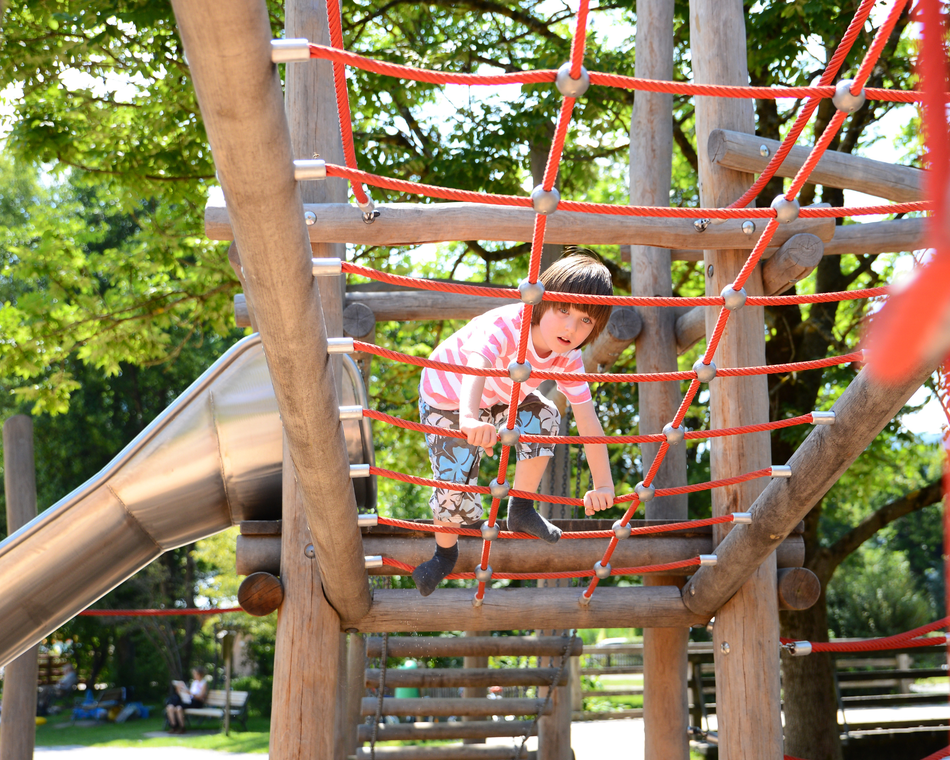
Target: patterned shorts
x: 455, y: 461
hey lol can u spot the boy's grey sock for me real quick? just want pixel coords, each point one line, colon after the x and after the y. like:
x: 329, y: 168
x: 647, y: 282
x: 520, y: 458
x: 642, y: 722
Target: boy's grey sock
x: 522, y: 518
x: 432, y: 572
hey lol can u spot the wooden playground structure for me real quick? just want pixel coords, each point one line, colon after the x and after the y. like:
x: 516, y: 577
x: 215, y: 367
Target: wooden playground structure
x: 279, y: 224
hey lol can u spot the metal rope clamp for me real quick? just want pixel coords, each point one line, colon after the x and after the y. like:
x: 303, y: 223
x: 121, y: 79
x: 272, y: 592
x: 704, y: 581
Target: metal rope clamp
x: 798, y: 648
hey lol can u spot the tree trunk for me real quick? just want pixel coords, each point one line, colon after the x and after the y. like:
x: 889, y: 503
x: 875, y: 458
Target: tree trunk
x: 811, y: 709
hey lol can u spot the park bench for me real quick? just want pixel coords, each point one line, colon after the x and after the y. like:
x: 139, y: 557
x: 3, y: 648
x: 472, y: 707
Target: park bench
x: 216, y: 704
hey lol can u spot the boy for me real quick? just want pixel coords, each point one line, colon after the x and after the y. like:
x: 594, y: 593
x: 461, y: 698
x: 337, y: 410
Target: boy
x: 478, y: 406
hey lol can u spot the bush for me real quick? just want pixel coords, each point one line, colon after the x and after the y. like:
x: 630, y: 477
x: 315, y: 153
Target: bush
x: 260, y: 693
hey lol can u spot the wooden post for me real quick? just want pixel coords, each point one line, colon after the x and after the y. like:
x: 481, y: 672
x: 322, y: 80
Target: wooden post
x: 18, y: 726
x: 474, y: 692
x: 307, y: 652
x: 356, y: 688
x: 746, y: 640
x: 665, y: 703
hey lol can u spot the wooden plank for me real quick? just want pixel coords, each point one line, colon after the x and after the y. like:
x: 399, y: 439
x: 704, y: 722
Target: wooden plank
x: 238, y: 89
x: 746, y: 634
x: 861, y: 412
x: 307, y: 649
x: 577, y: 554
x: 622, y: 329
x: 474, y: 692
x: 422, y: 731
x: 356, y: 688
x: 509, y: 609
x: 798, y: 588
x: 435, y: 678
x: 448, y: 752
x: 417, y: 223
x: 469, y: 646
x: 793, y: 262
x: 740, y: 151
x: 892, y: 236
x: 459, y: 706
x: 18, y: 726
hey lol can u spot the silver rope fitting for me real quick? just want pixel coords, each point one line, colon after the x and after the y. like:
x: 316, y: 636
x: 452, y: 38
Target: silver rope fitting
x: 498, y: 490
x: 785, y: 210
x: 531, y: 292
x: 326, y: 267
x: 823, y: 418
x: 369, y: 210
x: 359, y: 471
x: 701, y: 224
x: 543, y: 201
x: 707, y: 560
x: 602, y: 571
x: 372, y: 560
x: 483, y: 574
x: 742, y: 518
x: 644, y: 493
x: 620, y: 530
x: 340, y: 346
x: 844, y: 100
x: 519, y: 373
x: 583, y: 600
x: 476, y: 602
x: 733, y: 299
x: 351, y: 413
x: 289, y: 51
x: 309, y: 168
x: 568, y: 86
x: 781, y: 471
x: 674, y: 434
x: 509, y: 437
x: 748, y: 227
x: 704, y: 372
x: 490, y: 532
x: 799, y: 648
x: 367, y: 520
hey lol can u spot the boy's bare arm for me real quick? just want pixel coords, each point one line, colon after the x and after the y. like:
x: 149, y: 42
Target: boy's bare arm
x: 477, y: 433
x: 602, y: 497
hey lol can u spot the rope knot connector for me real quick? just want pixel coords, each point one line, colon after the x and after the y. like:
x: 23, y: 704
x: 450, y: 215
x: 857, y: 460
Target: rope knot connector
x: 785, y: 210
x: 289, y: 51
x: 499, y: 490
x: 798, y: 648
x: 620, y: 530
x: 733, y: 299
x: 372, y: 561
x: 340, y: 346
x: 707, y: 560
x: 742, y: 518
x: 844, y: 99
x: 583, y: 600
x: 567, y: 85
x: 309, y: 168
x: 781, y: 471
x: 483, y: 574
x: 531, y: 292
x: 644, y: 493
x: 490, y: 532
x: 509, y: 437
x: 367, y: 520
x: 674, y: 434
x: 351, y: 412
x: 602, y: 571
x: 477, y: 601
x: 543, y: 201
x: 326, y: 267
x: 359, y: 471
x: 369, y: 210
x: 704, y: 372
x: 519, y: 372
x: 823, y: 418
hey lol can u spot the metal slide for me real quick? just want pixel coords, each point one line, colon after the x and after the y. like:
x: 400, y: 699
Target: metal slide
x: 210, y: 460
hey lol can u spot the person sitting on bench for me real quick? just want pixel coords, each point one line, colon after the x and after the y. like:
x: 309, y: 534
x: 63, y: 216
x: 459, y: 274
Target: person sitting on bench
x: 182, y: 696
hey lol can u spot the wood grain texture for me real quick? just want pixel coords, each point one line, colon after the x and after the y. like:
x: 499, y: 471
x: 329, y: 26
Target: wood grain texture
x: 404, y: 610
x: 798, y: 588
x: 413, y: 223
x: 747, y: 679
x: 740, y: 151
x: 228, y: 49
x: 478, y: 730
x: 457, y: 706
x: 472, y: 646
x: 793, y: 262
x: 435, y: 678
x: 448, y: 752
x: 260, y: 594
x: 18, y: 727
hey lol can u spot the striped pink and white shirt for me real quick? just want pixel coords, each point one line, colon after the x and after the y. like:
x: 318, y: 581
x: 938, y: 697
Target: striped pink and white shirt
x: 494, y: 335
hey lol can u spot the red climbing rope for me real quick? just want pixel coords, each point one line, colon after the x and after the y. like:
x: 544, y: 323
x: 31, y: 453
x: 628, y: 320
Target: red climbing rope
x: 645, y: 569
x: 159, y: 613
x: 897, y: 641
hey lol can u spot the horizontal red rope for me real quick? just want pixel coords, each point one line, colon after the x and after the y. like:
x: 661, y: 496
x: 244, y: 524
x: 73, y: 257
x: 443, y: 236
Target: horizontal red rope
x: 159, y: 613
x: 555, y: 575
x: 642, y: 530
x: 872, y: 645
x: 541, y: 76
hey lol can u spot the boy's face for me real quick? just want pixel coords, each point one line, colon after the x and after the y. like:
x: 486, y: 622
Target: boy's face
x: 561, y: 328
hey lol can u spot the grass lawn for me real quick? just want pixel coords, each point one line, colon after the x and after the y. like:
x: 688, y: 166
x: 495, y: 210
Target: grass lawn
x: 60, y: 730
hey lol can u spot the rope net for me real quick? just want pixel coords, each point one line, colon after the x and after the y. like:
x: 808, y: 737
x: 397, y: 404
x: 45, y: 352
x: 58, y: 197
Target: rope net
x: 737, y: 210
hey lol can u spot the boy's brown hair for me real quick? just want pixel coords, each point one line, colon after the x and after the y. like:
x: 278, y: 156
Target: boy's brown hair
x: 579, y: 271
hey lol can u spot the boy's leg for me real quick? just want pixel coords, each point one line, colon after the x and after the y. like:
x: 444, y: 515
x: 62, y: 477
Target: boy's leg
x: 536, y: 416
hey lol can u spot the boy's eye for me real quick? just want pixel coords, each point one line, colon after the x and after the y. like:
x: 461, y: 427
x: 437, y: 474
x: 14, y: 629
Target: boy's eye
x: 564, y: 309
x: 587, y: 320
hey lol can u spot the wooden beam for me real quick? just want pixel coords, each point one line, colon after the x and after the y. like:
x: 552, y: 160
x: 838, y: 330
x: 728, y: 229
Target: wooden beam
x: 690, y: 328
x: 798, y: 588
x: 509, y: 609
x: 794, y: 261
x: 238, y: 89
x: 437, y: 678
x: 356, y: 688
x: 445, y: 752
x: 743, y: 152
x: 622, y: 329
x: 417, y: 223
x: 862, y: 411
x: 455, y: 730
x: 750, y: 721
x: 458, y: 706
x: 472, y: 646
x: 18, y: 726
x: 893, y: 236
x: 420, y: 305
